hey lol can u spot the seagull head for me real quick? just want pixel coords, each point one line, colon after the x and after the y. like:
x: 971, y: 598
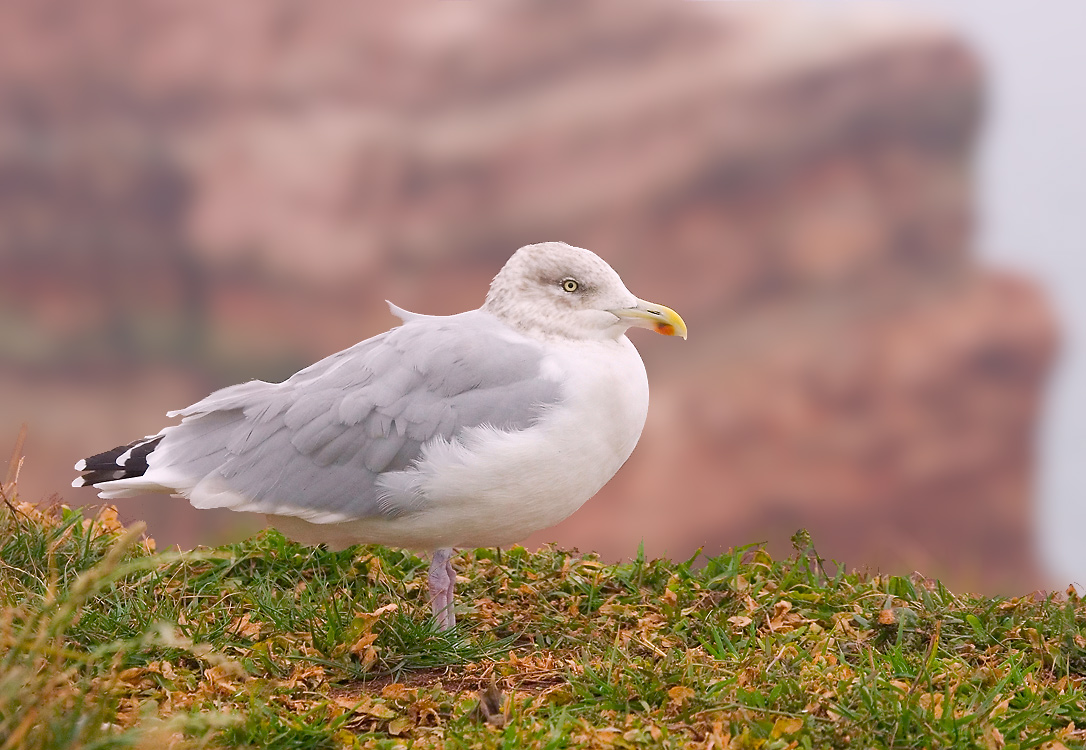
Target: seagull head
x: 554, y: 289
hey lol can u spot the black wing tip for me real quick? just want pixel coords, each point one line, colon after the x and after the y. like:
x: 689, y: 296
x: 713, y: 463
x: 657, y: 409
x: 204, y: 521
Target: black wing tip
x: 108, y: 466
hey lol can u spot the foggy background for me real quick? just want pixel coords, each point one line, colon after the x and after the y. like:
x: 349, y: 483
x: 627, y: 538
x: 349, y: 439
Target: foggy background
x: 1032, y: 179
x: 830, y: 194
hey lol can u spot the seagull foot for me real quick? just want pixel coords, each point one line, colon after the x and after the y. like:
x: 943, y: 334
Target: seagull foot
x: 442, y: 580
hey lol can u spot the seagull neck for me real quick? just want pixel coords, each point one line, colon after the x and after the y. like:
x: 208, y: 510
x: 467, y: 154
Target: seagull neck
x: 554, y: 328
x: 539, y: 329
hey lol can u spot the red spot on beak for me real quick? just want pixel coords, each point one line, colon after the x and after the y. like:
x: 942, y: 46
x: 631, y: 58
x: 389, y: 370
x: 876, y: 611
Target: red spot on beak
x: 665, y: 328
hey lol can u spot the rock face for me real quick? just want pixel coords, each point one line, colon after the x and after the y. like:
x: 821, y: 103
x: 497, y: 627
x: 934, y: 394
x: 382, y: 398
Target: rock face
x: 900, y: 435
x: 795, y: 179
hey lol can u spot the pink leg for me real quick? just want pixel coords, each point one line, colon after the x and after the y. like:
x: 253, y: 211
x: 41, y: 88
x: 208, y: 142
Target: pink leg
x: 442, y: 580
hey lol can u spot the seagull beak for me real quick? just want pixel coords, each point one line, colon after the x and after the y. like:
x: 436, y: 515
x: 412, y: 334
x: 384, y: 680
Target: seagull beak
x: 650, y: 315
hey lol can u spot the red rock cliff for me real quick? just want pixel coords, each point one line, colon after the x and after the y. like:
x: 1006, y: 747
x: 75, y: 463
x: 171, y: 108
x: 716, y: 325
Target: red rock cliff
x: 795, y: 179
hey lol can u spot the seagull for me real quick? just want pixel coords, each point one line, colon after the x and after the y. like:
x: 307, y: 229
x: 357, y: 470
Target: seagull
x: 468, y: 430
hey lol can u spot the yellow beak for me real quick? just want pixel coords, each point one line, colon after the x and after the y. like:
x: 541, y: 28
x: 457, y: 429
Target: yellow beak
x: 656, y: 317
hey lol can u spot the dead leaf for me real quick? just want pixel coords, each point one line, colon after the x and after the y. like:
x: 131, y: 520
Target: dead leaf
x: 399, y: 726
x: 219, y: 677
x: 492, y: 707
x: 377, y: 710
x: 932, y: 702
x: 135, y: 677
x: 679, y: 695
x: 244, y: 626
x: 786, y: 725
x: 993, y: 738
x: 740, y: 621
x: 397, y: 691
x: 163, y: 668
x: 359, y: 647
x: 380, y: 612
x: 784, y: 619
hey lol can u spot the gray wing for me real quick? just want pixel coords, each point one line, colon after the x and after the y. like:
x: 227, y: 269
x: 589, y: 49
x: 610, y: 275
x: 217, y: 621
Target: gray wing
x: 315, y: 445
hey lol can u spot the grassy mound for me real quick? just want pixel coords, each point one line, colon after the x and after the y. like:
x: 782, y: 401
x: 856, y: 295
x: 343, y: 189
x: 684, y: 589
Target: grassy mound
x: 105, y: 643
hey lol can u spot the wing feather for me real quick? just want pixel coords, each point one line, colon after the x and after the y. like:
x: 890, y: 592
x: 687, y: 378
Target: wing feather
x: 316, y: 445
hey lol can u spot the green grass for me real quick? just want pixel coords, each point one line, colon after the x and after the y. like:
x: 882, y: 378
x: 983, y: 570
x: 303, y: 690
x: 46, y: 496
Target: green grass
x: 105, y: 644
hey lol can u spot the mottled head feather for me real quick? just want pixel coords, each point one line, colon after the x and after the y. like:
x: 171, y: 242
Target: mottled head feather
x: 552, y: 289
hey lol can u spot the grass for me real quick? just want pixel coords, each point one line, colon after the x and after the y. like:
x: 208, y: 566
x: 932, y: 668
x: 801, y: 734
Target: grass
x: 106, y: 644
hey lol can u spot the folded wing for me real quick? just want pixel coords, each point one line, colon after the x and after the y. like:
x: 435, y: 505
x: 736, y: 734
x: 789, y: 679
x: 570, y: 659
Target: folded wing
x: 315, y: 445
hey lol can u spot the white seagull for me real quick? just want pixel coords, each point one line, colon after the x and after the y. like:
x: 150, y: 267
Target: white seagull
x: 468, y: 430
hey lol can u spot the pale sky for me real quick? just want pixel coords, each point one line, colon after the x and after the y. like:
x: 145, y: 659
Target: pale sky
x: 1033, y: 202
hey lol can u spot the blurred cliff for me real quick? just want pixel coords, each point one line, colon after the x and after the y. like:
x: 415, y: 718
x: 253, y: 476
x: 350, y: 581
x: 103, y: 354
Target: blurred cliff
x: 200, y: 193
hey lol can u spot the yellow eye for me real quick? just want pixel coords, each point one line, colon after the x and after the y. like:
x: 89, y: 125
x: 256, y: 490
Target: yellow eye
x: 570, y: 285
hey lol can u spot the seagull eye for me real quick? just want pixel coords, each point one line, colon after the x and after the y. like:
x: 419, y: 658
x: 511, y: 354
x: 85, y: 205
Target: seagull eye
x: 570, y: 285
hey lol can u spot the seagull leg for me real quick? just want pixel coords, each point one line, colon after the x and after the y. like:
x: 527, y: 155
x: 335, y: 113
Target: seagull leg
x: 442, y: 580
x: 451, y: 572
